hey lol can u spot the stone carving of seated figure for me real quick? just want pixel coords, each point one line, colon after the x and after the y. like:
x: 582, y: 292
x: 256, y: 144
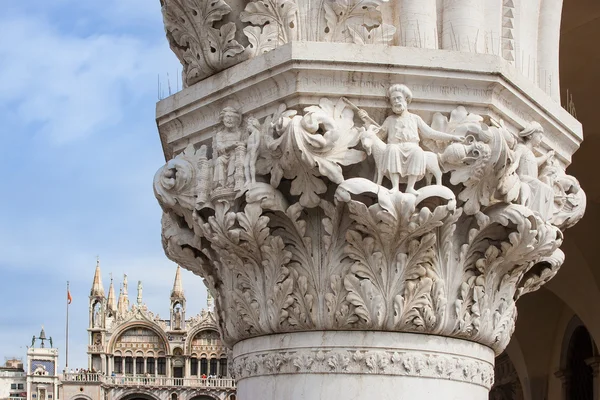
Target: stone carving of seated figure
x: 403, y: 158
x: 225, y: 143
x: 534, y: 193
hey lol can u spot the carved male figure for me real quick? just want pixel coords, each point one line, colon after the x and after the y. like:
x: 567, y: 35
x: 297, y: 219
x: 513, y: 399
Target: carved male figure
x: 534, y: 194
x: 253, y: 145
x: 224, y: 144
x: 403, y: 157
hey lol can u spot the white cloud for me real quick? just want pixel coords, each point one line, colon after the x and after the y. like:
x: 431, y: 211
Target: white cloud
x: 72, y: 86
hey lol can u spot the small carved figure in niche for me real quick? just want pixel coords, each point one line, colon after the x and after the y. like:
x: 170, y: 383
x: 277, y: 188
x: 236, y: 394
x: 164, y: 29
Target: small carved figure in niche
x: 534, y: 193
x: 96, y: 316
x: 97, y: 339
x: 253, y: 144
x: 403, y: 157
x: 225, y: 143
x: 177, y: 316
x: 139, y: 295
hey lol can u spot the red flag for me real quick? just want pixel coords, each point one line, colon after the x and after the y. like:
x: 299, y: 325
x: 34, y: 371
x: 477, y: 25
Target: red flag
x: 69, y: 298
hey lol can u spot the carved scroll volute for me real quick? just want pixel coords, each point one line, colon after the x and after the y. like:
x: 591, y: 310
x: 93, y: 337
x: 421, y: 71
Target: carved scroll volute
x: 294, y: 232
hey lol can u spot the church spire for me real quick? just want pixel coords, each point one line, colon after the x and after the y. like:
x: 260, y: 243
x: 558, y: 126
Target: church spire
x: 111, y: 297
x: 97, y: 288
x: 177, y: 292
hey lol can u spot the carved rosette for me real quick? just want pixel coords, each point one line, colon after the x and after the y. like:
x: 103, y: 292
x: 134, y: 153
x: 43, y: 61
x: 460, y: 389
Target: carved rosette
x: 315, y: 244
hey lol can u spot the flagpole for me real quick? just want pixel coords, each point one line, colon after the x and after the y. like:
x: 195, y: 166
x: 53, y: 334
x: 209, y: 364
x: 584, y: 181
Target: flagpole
x: 67, y: 332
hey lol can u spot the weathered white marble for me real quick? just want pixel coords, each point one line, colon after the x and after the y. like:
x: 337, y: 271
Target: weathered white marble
x: 393, y: 365
x: 366, y: 188
x: 506, y: 28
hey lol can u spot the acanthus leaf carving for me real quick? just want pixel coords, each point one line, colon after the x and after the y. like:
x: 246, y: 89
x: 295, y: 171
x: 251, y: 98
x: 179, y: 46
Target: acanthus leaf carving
x: 295, y: 233
x: 356, y: 20
x: 278, y: 19
x: 201, y: 48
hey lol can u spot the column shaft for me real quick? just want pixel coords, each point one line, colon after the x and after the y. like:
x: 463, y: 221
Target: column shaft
x: 463, y: 26
x: 418, y: 23
x: 548, y: 45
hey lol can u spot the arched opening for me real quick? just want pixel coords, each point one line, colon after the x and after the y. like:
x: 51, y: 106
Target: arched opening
x: 177, y: 315
x: 208, y: 355
x: 202, y: 397
x: 581, y: 385
x: 97, y: 314
x: 135, y: 353
x: 138, y: 396
x: 507, y: 385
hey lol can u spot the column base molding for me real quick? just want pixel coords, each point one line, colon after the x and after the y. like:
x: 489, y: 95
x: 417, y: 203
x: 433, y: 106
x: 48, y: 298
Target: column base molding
x: 326, y: 364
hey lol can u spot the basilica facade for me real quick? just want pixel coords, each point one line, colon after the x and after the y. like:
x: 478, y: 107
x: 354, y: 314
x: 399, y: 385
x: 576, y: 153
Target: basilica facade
x: 134, y: 353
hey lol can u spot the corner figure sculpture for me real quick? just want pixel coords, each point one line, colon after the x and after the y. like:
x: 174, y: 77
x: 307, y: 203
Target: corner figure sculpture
x: 534, y: 194
x: 403, y: 157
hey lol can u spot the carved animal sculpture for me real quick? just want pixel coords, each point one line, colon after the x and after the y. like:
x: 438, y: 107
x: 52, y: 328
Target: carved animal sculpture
x: 375, y: 146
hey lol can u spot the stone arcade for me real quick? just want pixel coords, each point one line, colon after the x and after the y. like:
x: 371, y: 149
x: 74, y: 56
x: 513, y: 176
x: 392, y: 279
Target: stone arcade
x: 366, y: 188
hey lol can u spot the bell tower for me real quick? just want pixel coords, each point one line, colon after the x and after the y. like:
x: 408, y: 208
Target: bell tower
x: 97, y: 322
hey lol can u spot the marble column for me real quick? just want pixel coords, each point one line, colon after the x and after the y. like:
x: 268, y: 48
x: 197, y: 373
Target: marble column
x: 463, y: 26
x: 362, y: 232
x: 548, y: 43
x: 418, y: 23
x: 594, y: 363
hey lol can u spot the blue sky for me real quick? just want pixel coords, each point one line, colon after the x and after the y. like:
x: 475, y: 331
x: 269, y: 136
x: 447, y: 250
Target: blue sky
x: 78, y: 88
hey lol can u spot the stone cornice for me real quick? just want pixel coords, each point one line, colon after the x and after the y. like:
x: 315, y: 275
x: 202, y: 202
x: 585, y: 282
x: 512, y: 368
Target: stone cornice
x: 487, y: 83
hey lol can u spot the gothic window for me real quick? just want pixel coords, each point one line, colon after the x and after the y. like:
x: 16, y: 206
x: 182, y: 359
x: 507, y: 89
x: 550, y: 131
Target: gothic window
x: 161, y: 366
x: 223, y: 367
x: 582, y: 381
x: 213, y: 366
x: 129, y: 365
x: 139, y: 365
x: 150, y: 365
x: 194, y: 367
x: 118, y: 365
x: 203, y: 366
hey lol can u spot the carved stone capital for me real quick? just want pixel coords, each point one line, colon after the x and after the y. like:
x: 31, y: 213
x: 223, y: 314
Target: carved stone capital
x: 324, y: 219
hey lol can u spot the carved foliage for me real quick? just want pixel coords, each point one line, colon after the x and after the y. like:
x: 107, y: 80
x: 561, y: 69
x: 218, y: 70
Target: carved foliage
x: 370, y: 361
x: 201, y: 48
x: 314, y: 145
x: 275, y: 24
x: 292, y: 255
x: 357, y: 21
